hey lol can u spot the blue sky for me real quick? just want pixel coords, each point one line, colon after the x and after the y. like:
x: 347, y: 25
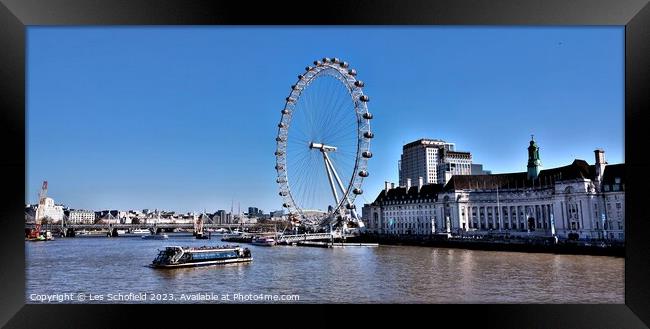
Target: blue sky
x: 184, y: 118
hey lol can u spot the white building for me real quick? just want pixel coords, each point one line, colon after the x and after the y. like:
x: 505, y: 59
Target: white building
x: 434, y: 160
x: 49, y: 212
x: 404, y: 210
x: 79, y: 216
x: 578, y: 201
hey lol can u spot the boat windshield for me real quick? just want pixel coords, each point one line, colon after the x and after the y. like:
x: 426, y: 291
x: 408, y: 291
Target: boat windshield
x: 164, y: 256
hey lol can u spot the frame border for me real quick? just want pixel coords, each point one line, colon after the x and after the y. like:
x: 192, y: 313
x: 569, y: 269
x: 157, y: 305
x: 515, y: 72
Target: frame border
x: 16, y: 15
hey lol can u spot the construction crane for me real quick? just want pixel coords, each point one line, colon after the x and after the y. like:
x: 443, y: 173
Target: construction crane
x: 35, y: 233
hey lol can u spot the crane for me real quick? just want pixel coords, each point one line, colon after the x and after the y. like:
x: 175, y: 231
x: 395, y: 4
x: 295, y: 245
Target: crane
x: 35, y: 233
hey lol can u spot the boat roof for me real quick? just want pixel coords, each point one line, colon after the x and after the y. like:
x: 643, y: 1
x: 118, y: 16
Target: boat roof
x: 204, y: 248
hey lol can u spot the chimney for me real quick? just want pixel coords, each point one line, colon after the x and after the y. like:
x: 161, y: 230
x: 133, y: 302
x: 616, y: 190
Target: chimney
x: 600, y: 156
x: 420, y: 183
x: 408, y: 184
x: 386, y: 186
x: 600, y: 165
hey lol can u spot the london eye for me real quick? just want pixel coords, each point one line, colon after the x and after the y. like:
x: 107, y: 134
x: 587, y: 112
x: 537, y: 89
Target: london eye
x: 323, y: 144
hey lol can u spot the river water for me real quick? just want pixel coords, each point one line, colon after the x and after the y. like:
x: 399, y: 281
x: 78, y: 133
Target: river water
x: 113, y: 270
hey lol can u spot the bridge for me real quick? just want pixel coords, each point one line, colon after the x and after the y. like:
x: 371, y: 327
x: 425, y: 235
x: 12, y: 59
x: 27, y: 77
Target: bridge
x: 70, y: 228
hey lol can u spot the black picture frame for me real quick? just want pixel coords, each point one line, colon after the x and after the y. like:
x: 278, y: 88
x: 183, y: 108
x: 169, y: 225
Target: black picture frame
x: 16, y: 15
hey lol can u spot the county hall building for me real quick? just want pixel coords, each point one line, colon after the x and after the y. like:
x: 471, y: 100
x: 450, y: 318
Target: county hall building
x: 576, y: 201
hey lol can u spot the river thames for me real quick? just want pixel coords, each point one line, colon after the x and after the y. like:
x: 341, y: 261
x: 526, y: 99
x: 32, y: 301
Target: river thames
x: 105, y: 270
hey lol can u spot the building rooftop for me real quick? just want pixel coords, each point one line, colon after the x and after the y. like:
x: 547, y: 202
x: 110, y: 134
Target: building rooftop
x: 428, y: 191
x: 424, y: 141
x: 612, y: 172
x: 579, y: 169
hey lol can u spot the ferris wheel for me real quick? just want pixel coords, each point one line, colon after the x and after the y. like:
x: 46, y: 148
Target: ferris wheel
x: 323, y: 143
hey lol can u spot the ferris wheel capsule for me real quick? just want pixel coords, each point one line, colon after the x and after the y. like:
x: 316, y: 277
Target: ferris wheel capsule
x: 367, y: 115
x: 352, y: 72
x: 359, y: 83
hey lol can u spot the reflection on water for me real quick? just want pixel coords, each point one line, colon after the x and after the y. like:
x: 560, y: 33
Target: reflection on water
x: 387, y: 274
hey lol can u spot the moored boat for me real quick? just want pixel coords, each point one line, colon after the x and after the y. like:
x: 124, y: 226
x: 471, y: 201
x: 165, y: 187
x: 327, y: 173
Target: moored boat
x: 155, y: 237
x: 263, y: 241
x: 204, y: 236
x: 175, y: 256
x: 43, y: 236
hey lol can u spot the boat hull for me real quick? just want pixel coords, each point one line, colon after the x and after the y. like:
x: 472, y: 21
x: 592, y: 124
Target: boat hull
x: 264, y: 242
x: 205, y: 263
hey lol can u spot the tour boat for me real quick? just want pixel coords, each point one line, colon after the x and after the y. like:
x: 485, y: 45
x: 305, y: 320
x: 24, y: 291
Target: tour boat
x: 263, y: 241
x: 175, y: 256
x: 141, y: 231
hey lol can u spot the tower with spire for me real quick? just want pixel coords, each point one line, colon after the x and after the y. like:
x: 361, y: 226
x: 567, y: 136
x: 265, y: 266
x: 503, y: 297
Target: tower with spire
x: 534, y: 163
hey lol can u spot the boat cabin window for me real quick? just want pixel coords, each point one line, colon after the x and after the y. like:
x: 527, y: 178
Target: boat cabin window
x: 214, y: 255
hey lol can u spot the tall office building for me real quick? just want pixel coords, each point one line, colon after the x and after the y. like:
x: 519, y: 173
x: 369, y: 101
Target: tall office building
x: 434, y: 160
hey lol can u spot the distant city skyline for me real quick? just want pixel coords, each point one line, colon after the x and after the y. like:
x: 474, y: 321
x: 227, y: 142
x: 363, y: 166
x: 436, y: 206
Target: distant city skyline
x: 184, y: 118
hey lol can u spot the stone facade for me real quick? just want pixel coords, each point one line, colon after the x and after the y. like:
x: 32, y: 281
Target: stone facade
x: 578, y: 201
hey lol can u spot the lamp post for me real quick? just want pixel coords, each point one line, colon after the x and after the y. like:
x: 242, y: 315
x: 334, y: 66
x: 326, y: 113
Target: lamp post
x: 553, y: 228
x: 603, y: 219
